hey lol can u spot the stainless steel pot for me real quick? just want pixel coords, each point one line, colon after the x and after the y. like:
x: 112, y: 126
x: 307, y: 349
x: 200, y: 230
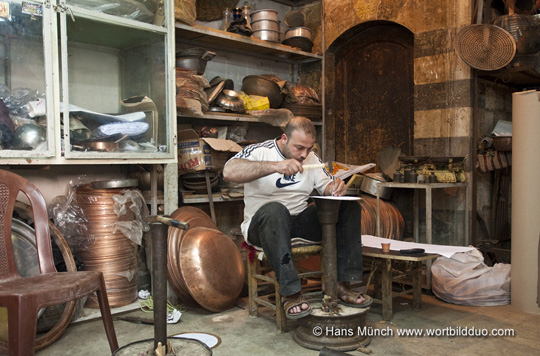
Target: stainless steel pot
x: 266, y: 14
x: 267, y: 35
x: 265, y: 25
x: 304, y: 43
x: 194, y: 59
x: 298, y: 32
x: 369, y: 185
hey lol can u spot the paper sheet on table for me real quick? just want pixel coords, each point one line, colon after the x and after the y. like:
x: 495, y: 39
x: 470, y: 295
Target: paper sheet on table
x: 343, y: 170
x: 396, y: 245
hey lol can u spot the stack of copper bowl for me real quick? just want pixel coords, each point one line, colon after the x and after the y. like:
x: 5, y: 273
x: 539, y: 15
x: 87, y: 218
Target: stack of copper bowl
x: 392, y: 222
x: 107, y: 249
x: 204, y: 265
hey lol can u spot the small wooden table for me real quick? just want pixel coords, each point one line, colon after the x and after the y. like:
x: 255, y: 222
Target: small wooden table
x: 382, y: 264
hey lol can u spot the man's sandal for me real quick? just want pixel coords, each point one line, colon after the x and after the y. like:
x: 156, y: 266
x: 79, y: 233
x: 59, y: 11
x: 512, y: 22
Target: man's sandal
x: 349, y: 298
x: 292, y: 301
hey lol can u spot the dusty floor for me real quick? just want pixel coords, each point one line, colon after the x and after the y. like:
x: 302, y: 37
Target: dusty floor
x: 241, y: 335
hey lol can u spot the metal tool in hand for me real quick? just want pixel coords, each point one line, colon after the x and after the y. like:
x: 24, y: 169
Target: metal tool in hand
x: 328, y: 165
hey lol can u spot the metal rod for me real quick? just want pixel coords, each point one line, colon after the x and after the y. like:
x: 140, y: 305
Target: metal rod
x: 159, y: 281
x: 210, y: 197
x: 328, y: 211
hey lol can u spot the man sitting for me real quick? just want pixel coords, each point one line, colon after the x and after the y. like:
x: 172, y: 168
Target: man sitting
x: 276, y: 193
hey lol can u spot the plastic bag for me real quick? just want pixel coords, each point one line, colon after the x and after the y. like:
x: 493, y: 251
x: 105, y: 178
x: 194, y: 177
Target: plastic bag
x: 237, y: 133
x: 140, y: 10
x: 135, y: 228
x: 185, y: 11
x: 255, y: 102
x: 466, y: 280
x: 305, y: 95
x: 275, y: 117
x: 70, y: 219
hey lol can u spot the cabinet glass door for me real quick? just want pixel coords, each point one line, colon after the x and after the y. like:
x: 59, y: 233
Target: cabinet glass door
x: 146, y: 11
x: 26, y: 125
x: 114, y: 87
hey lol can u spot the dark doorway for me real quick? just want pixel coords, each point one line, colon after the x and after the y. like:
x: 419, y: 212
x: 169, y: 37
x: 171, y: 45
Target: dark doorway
x: 373, y: 91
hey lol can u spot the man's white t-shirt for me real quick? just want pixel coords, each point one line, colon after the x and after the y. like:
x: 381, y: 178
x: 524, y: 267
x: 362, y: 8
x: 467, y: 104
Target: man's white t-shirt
x: 292, y: 191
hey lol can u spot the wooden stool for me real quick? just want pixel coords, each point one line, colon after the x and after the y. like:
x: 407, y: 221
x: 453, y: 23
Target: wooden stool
x: 383, y: 264
x: 258, y: 275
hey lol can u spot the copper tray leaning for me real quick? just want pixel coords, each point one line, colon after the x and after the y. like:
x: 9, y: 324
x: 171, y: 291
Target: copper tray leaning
x: 212, y: 268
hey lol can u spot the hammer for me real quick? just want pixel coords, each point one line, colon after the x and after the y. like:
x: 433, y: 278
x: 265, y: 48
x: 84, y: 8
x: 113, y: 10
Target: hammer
x: 328, y: 165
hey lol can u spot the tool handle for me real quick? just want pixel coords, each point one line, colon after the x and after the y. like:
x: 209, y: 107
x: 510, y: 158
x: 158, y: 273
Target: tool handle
x: 171, y: 222
x: 314, y: 166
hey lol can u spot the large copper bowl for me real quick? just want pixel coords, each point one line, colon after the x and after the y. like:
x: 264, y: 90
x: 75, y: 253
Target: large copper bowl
x: 196, y: 218
x: 212, y: 268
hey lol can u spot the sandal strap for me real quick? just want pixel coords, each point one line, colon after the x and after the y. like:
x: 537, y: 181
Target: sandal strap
x: 293, y: 301
x: 348, y: 295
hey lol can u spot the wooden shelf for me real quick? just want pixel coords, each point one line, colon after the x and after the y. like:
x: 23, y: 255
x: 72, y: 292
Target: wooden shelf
x: 233, y: 117
x: 522, y: 72
x: 209, y: 37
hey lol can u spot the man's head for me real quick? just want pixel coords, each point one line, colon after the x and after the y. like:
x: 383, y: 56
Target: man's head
x: 298, y: 139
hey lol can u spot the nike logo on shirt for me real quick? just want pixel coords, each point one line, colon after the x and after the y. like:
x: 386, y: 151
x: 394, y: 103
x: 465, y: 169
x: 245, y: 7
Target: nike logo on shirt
x: 281, y: 184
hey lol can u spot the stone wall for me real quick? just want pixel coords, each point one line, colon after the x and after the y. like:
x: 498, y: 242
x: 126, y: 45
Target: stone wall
x: 442, y: 81
x: 443, y: 90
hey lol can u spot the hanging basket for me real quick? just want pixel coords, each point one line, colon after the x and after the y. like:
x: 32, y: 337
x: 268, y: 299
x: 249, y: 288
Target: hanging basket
x: 212, y: 10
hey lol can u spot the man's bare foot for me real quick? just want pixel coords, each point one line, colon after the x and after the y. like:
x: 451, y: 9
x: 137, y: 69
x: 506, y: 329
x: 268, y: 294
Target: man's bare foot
x: 296, y: 306
x: 352, y: 298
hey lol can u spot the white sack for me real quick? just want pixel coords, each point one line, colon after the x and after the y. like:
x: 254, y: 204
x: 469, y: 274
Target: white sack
x: 465, y: 279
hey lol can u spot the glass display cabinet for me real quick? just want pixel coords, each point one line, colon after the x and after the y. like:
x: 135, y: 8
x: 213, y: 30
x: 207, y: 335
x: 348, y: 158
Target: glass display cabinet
x: 87, y: 82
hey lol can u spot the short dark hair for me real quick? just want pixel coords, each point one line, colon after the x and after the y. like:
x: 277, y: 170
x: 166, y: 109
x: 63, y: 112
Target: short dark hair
x: 300, y: 123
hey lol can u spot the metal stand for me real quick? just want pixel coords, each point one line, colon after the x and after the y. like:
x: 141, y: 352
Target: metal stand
x: 326, y: 325
x: 159, y: 226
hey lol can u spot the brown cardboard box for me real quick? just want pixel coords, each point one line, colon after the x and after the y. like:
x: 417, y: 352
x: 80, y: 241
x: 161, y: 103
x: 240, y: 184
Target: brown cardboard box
x: 199, y: 154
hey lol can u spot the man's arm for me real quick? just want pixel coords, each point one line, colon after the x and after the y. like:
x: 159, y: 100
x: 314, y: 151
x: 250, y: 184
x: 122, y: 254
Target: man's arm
x: 241, y: 170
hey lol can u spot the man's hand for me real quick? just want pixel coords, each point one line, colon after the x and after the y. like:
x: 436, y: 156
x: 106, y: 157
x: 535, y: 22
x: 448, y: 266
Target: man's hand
x: 339, y: 188
x: 288, y: 167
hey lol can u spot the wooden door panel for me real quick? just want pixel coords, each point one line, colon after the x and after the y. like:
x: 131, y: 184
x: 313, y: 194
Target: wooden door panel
x: 374, y: 94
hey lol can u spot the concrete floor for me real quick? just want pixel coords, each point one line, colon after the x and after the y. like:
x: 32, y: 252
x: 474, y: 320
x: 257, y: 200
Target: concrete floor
x: 242, y: 335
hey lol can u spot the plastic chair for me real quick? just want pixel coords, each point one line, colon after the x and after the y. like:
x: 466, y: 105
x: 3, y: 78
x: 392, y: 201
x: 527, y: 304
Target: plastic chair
x: 25, y: 296
x: 258, y: 274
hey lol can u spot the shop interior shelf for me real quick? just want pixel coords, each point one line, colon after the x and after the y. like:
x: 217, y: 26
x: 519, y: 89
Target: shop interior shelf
x: 203, y: 36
